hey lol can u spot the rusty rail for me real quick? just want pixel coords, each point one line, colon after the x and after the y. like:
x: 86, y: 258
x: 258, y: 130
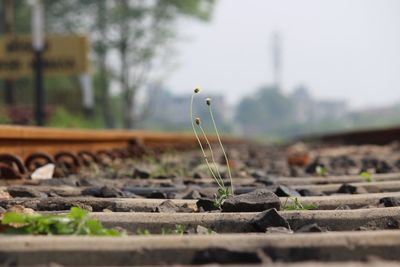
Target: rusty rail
x: 380, y: 136
x: 22, y: 149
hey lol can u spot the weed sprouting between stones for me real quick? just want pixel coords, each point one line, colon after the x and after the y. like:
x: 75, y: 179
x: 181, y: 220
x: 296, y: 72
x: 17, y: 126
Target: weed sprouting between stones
x: 179, y: 230
x: 321, y: 170
x: 367, y: 176
x: 76, y: 222
x: 297, y: 205
x: 223, y: 191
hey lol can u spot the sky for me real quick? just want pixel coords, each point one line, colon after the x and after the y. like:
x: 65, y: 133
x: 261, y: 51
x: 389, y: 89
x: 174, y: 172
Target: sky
x: 338, y: 49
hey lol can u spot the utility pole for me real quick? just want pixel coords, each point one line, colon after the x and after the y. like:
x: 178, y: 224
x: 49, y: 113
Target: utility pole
x: 38, y: 45
x: 102, y: 53
x: 8, y: 24
x: 276, y: 59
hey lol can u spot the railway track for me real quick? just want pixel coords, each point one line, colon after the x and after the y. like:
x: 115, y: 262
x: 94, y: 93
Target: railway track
x: 381, y: 136
x: 283, y: 213
x: 23, y: 149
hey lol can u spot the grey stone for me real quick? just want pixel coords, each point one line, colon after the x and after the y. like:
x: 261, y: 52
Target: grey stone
x: 308, y: 193
x: 108, y: 192
x: 105, y: 191
x: 310, y: 228
x: 91, y: 191
x: 201, y: 175
x: 390, y: 201
x: 257, y: 200
x: 285, y: 191
x: 17, y: 191
x: 141, y: 172
x: 206, y: 204
x: 268, y: 218
x: 257, y: 174
x: 194, y: 194
x: 170, y: 207
x: 90, y: 182
x: 347, y: 189
x: 167, y: 207
x: 158, y: 194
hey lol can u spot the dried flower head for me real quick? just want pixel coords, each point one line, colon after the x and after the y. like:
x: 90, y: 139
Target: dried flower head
x: 196, y: 90
x: 197, y: 121
x: 208, y: 101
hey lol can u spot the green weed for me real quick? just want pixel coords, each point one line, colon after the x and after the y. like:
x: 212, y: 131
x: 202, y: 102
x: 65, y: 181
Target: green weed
x: 321, y: 171
x: 144, y: 232
x: 223, y: 191
x: 179, y: 230
x: 76, y: 222
x: 367, y: 176
x: 297, y: 205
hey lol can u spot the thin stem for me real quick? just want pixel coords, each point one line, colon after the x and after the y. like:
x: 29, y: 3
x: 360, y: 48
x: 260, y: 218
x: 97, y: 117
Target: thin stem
x: 284, y: 205
x: 222, y: 147
x: 198, y: 140
x: 212, y: 157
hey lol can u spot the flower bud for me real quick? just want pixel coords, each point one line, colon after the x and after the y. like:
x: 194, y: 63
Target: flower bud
x: 208, y: 101
x: 197, y: 121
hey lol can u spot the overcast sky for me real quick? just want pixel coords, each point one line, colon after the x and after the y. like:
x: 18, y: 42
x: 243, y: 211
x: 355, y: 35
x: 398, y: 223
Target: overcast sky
x: 346, y: 49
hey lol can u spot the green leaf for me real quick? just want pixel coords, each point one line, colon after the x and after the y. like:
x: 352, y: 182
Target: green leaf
x: 321, y: 170
x: 94, y: 227
x: 12, y: 217
x: 75, y: 222
x: 77, y: 213
x: 297, y: 205
x: 367, y: 176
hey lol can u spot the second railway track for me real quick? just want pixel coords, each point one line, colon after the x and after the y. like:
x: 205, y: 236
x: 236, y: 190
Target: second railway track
x: 299, y: 216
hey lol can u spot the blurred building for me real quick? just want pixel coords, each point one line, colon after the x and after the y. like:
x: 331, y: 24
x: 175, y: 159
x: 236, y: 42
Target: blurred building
x: 308, y: 109
x: 170, y: 111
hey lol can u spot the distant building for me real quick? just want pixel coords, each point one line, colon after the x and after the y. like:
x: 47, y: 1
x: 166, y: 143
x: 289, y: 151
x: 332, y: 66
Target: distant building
x: 309, y: 110
x: 335, y: 109
x: 303, y: 105
x: 172, y: 111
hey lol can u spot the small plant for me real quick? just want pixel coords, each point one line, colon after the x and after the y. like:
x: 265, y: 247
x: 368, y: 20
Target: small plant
x: 219, y: 199
x: 297, y: 205
x: 76, y: 222
x: 179, y: 229
x: 210, y: 231
x: 321, y: 170
x: 144, y: 232
x: 223, y: 191
x: 367, y: 176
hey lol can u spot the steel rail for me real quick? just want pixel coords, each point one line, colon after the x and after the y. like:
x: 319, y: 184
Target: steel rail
x: 379, y: 136
x: 23, y: 149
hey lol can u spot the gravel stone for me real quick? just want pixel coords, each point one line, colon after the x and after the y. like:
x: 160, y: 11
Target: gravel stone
x: 285, y: 191
x: 268, y: 218
x: 257, y: 200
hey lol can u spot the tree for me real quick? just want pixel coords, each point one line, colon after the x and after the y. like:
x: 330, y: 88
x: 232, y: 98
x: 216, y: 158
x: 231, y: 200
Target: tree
x: 137, y: 30
x: 142, y: 31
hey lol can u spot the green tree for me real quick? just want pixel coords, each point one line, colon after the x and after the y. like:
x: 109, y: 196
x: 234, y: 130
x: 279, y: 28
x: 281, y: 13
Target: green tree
x: 143, y: 30
x: 138, y: 31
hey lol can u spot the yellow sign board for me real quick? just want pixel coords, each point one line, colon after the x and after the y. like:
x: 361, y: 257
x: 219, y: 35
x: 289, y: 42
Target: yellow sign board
x: 63, y: 55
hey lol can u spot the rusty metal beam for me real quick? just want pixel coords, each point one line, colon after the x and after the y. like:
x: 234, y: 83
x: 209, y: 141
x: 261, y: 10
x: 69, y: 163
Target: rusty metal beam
x: 380, y: 136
